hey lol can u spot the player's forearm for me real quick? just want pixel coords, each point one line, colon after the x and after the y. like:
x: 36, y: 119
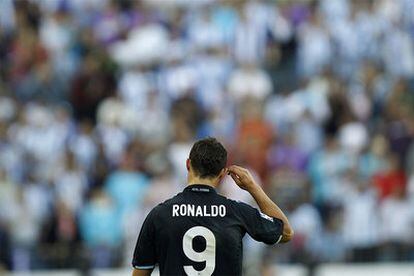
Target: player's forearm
x: 268, y: 207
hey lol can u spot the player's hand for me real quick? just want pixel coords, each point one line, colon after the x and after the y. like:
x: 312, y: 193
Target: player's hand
x: 242, y: 177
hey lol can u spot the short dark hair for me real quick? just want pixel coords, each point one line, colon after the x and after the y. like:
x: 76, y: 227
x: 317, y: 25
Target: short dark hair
x: 208, y: 157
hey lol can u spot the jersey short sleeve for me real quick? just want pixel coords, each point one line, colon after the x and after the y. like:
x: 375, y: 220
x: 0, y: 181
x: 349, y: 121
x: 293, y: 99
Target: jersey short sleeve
x: 145, y: 254
x: 259, y: 226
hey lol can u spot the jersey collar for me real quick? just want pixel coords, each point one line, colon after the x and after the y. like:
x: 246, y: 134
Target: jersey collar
x: 200, y: 188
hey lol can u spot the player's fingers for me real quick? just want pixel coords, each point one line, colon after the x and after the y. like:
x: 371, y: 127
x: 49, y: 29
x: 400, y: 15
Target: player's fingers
x: 241, y: 169
x: 232, y: 168
x: 237, y: 170
x: 232, y: 171
x: 236, y: 178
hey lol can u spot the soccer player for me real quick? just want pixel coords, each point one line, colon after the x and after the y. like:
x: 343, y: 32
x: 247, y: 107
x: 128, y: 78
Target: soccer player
x: 199, y: 232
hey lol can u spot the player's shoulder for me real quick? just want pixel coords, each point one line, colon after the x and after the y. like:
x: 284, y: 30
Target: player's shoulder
x: 238, y: 205
x: 171, y: 200
x: 229, y: 200
x: 159, y: 211
x: 163, y: 206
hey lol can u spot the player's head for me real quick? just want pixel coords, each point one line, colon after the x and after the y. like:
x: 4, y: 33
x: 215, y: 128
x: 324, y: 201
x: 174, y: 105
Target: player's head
x: 208, y: 159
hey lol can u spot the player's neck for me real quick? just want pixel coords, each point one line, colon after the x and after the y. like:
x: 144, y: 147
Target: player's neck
x: 194, y: 180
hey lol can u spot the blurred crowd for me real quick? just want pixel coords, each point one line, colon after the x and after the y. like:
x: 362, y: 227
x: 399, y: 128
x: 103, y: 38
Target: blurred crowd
x: 101, y: 100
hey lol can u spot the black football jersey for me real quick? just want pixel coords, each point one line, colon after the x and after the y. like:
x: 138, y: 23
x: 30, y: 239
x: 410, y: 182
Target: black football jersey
x: 199, y: 232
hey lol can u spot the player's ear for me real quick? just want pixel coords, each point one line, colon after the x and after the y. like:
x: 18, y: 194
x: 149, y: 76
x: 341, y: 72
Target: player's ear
x: 187, y: 164
x: 222, y: 174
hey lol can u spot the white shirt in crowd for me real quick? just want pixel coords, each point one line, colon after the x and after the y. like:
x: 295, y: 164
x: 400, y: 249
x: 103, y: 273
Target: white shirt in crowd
x: 361, y: 221
x: 306, y: 221
x: 314, y: 49
x: 249, y: 81
x: 397, y: 220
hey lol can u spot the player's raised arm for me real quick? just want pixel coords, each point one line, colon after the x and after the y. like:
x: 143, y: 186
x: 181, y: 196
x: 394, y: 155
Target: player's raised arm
x: 244, y: 180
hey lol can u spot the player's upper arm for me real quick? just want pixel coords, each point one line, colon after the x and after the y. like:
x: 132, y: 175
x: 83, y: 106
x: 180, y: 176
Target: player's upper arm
x: 260, y: 226
x: 145, y: 251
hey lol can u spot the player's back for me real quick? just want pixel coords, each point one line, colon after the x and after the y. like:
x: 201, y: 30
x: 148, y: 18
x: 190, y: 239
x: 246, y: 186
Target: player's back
x: 199, y: 232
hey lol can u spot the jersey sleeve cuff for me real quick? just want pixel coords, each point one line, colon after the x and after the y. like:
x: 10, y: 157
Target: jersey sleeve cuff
x: 143, y: 266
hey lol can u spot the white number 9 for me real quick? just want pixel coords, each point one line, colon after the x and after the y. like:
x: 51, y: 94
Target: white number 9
x: 208, y: 255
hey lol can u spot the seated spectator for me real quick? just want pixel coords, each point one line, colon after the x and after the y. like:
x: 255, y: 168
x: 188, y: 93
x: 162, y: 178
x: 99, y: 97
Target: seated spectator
x: 397, y: 225
x: 390, y: 179
x: 360, y: 212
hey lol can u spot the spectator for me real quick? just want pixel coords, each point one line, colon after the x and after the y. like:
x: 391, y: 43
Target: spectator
x: 254, y: 137
x: 397, y: 225
x: 249, y: 81
x: 126, y: 186
x: 390, y: 179
x: 360, y: 212
x: 60, y: 239
x: 326, y: 168
x: 329, y: 245
x: 94, y: 82
x: 307, y: 220
x: 314, y: 47
x: 83, y: 146
x: 100, y: 230
x: 71, y: 185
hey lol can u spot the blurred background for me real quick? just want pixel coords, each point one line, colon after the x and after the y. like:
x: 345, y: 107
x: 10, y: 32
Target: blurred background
x: 101, y: 100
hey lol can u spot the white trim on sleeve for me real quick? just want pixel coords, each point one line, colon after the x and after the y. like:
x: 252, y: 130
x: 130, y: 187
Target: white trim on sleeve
x: 144, y: 267
x: 280, y: 238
